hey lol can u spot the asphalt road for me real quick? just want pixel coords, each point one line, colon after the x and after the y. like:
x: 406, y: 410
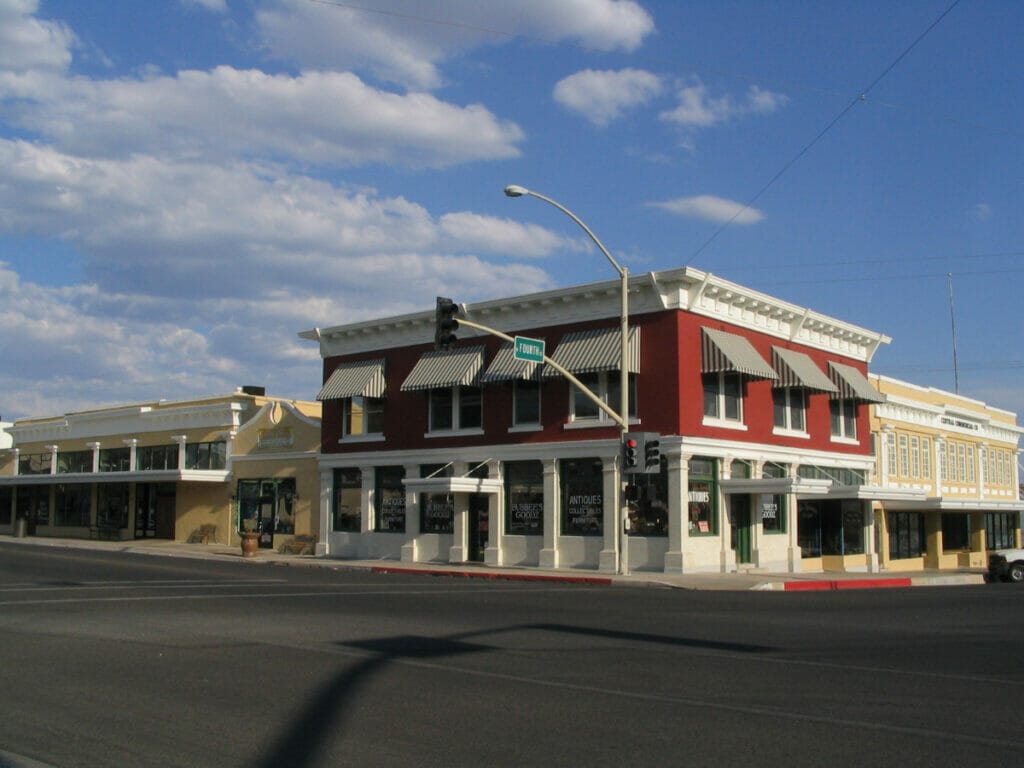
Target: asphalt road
x: 113, y: 659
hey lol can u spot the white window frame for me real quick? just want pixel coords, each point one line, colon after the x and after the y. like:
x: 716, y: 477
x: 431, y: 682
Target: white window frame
x: 718, y: 418
x: 346, y: 417
x: 601, y: 389
x: 456, y: 427
x: 843, y: 435
x: 525, y: 426
x: 789, y: 407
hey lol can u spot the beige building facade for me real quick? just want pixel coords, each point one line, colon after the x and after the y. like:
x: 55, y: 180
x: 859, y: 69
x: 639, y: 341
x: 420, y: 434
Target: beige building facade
x: 185, y: 470
x: 949, y: 468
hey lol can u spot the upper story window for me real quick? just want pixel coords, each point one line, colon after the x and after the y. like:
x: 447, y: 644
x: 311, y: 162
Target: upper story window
x: 74, y: 461
x: 115, y: 459
x: 607, y: 385
x: 455, y: 408
x: 844, y: 419
x: 525, y: 403
x: 156, y: 457
x: 363, y: 416
x: 790, y: 409
x: 726, y: 359
x: 35, y: 463
x: 723, y: 396
x: 212, y: 455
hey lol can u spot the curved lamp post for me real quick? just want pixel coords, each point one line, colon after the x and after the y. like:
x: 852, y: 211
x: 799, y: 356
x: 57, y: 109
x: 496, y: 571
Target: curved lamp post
x: 514, y: 190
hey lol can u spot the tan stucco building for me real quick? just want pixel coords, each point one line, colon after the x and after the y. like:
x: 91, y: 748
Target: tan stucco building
x: 182, y: 470
x: 948, y: 466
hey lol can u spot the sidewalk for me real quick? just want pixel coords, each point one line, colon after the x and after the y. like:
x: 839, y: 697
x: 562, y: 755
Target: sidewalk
x: 744, y: 580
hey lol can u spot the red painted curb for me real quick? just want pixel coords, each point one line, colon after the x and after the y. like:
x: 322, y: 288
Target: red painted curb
x: 810, y: 586
x: 603, y: 581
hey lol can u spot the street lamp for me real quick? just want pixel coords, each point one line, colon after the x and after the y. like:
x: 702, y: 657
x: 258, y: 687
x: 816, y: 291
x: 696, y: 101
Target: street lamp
x: 514, y: 190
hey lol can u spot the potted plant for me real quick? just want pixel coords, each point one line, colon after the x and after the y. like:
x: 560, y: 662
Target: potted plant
x: 250, y: 537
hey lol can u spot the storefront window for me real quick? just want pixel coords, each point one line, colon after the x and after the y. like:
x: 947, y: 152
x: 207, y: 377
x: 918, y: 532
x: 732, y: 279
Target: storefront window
x: 906, y: 535
x: 582, y: 497
x: 830, y: 528
x: 772, y: 507
x: 112, y: 505
x: 389, y: 495
x: 524, y: 489
x: 999, y: 529
x: 348, y: 499
x: 437, y: 510
x: 267, y: 505
x: 72, y: 504
x: 6, y: 503
x: 32, y: 503
x: 648, y: 513
x: 702, y: 498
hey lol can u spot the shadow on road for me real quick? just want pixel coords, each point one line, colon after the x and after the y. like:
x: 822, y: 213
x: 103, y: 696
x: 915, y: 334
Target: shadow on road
x: 323, y: 712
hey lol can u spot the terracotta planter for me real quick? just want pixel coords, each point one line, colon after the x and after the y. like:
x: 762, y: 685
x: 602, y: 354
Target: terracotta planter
x: 250, y: 544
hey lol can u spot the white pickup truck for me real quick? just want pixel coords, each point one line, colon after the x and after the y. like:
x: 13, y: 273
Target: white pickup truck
x: 1006, y: 565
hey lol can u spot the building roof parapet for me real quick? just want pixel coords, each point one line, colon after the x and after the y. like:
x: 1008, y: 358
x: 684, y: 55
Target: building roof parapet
x: 684, y: 288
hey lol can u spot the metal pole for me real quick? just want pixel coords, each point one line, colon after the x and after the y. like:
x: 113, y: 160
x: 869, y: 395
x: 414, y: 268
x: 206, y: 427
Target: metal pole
x: 621, y: 541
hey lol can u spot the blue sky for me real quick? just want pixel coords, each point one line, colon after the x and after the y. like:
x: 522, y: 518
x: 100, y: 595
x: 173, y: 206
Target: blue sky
x: 186, y: 185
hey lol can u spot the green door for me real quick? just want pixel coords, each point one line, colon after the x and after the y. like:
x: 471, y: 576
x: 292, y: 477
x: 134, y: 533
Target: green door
x: 740, y: 509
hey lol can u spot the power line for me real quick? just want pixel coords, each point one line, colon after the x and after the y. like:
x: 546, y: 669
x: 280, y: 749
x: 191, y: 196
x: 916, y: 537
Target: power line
x: 862, y: 96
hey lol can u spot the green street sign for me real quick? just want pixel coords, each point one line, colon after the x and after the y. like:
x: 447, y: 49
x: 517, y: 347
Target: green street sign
x: 530, y: 350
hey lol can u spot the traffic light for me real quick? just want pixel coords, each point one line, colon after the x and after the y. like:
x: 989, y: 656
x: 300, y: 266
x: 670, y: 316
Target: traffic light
x: 652, y: 453
x: 445, y: 324
x: 632, y: 447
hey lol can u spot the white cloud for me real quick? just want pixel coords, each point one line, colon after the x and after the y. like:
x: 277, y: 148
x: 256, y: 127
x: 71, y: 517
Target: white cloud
x: 495, y: 235
x: 404, y: 44
x: 217, y: 6
x: 28, y: 43
x: 320, y: 117
x: 711, y: 208
x: 602, y: 96
x: 981, y: 211
x: 698, y: 108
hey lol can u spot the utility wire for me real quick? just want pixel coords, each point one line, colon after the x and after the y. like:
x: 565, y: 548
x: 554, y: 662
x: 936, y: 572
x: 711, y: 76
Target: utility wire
x: 862, y: 96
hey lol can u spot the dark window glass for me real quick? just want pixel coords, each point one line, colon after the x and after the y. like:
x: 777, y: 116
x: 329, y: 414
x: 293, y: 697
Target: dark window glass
x: 524, y: 489
x: 156, y: 457
x: 956, y: 531
x: 206, y: 455
x: 115, y: 459
x: 389, y: 499
x: 348, y: 499
x: 906, y: 535
x: 648, y: 514
x: 6, y: 504
x: 72, y: 504
x: 35, y: 463
x: 74, y: 461
x: 364, y: 416
x: 526, y: 398
x: 702, y: 498
x: 772, y: 508
x: 470, y: 407
x: 112, y: 505
x: 441, y: 404
x: 999, y: 529
x: 582, y: 497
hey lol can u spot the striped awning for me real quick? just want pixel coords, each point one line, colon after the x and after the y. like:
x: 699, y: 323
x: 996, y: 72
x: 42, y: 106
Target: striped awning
x: 596, y: 350
x: 853, y: 385
x: 459, y: 367
x: 364, y: 378
x: 728, y: 352
x: 796, y: 369
x: 505, y: 367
